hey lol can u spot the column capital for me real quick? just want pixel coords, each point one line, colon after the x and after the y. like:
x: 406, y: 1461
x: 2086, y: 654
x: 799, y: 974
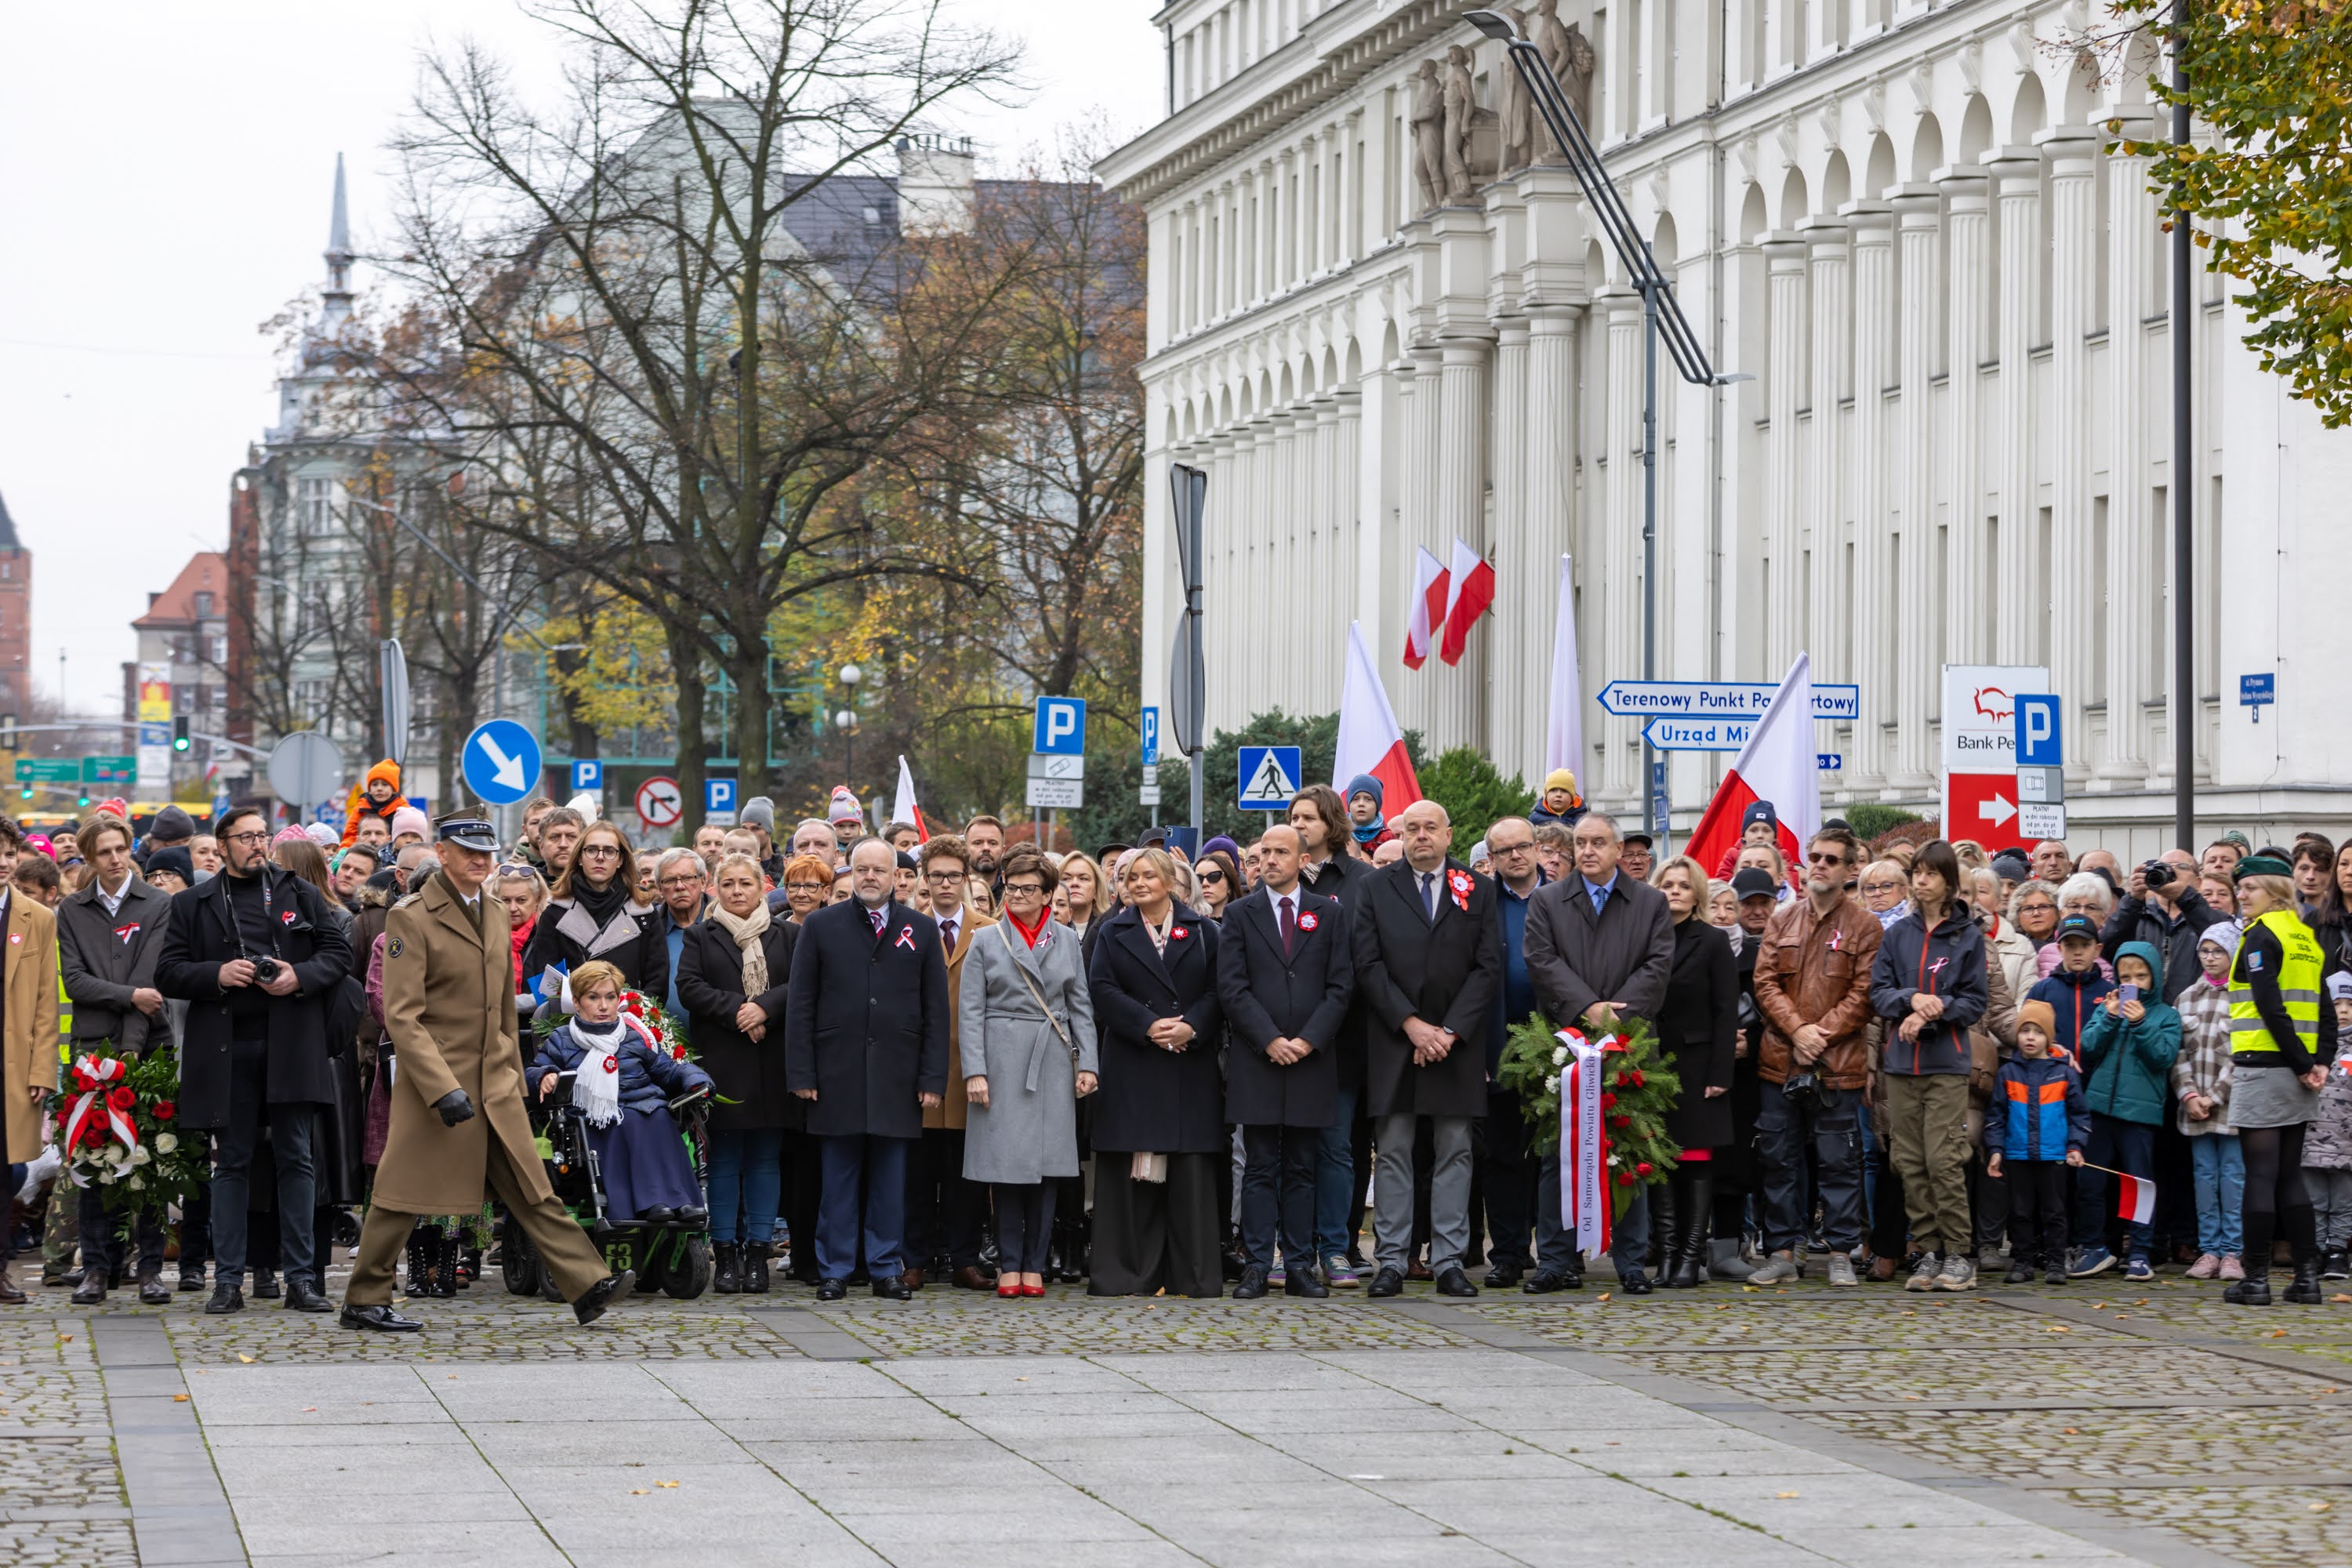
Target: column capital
x: 2070, y: 149
x: 1783, y: 249
x: 1962, y: 183
x: 1871, y: 221
x: 2017, y: 170
x: 1824, y: 237
x: 1511, y: 330
x: 1918, y: 204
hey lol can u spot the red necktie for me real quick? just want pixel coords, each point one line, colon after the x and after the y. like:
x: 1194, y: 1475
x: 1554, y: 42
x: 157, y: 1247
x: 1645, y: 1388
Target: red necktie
x: 1289, y: 929
x: 947, y: 937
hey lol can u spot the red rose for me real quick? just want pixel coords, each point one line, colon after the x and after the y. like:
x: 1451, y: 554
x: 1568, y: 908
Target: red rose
x: 122, y: 1097
x: 165, y: 1111
x: 92, y: 1134
x: 1608, y: 1102
x: 1620, y: 1123
x: 83, y: 1081
x: 1635, y: 1077
x: 1624, y: 1178
x: 677, y: 1053
x: 1644, y: 1168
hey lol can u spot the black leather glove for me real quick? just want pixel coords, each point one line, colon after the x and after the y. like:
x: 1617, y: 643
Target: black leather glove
x: 454, y: 1108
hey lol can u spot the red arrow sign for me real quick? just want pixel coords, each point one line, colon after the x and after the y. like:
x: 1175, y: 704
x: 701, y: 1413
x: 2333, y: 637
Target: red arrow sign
x: 1982, y: 806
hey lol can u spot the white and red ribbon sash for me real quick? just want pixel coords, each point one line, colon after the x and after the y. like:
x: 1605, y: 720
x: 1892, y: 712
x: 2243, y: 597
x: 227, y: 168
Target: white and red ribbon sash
x: 1584, y: 1172
x: 107, y: 1071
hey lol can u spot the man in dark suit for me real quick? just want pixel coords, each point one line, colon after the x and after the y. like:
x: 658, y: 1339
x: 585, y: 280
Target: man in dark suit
x: 1284, y: 973
x: 865, y: 1043
x: 1599, y: 945
x: 1428, y: 958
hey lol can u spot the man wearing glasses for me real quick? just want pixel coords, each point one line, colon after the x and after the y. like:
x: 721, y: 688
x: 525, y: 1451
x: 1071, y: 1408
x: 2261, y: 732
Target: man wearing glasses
x: 1511, y: 1162
x: 1813, y: 987
x: 257, y: 956
x: 944, y: 1209
x: 680, y: 883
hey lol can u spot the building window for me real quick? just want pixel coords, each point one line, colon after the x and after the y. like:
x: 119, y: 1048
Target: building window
x: 315, y: 507
x: 203, y: 607
x: 220, y: 650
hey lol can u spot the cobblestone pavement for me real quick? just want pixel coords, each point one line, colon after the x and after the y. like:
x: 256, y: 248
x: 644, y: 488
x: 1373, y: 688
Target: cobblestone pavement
x: 2054, y: 1423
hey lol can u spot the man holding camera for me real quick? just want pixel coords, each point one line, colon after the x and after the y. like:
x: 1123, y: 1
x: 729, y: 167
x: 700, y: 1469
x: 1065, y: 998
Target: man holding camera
x: 1812, y: 986
x: 256, y: 957
x: 2162, y: 908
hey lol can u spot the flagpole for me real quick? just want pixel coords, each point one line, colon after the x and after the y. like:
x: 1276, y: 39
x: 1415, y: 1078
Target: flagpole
x: 1654, y: 791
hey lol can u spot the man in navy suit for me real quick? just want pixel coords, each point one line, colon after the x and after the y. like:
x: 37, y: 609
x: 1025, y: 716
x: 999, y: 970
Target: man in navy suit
x: 865, y: 1043
x: 1284, y: 973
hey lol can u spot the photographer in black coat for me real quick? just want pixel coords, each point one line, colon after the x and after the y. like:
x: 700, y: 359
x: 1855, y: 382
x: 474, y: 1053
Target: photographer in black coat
x: 255, y: 955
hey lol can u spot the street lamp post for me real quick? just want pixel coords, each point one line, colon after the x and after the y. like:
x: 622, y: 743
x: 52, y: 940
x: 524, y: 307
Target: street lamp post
x: 847, y: 722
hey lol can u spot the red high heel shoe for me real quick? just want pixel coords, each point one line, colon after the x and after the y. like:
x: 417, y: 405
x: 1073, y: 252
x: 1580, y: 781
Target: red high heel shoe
x: 1032, y: 1289
x: 1007, y: 1288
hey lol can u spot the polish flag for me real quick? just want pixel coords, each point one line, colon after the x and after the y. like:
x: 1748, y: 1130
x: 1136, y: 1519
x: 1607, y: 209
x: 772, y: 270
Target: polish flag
x: 2135, y: 1198
x: 1425, y: 617
x: 904, y: 808
x: 1473, y: 591
x: 1371, y: 739
x: 1778, y: 764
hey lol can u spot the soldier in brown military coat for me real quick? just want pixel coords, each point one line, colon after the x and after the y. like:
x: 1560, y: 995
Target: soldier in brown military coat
x: 458, y: 1120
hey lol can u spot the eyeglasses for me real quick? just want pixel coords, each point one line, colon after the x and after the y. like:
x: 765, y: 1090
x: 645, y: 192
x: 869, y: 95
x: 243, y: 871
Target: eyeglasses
x: 1498, y: 850
x: 247, y: 838
x: 1835, y: 858
x: 945, y: 878
x: 1032, y: 890
x: 675, y: 883
x: 1211, y: 876
x: 806, y: 887
x: 601, y: 850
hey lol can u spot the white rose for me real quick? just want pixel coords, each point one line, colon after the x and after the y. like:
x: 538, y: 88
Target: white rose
x: 137, y: 1182
x: 1551, y: 1084
x: 119, y: 1155
x: 140, y: 1156
x: 1560, y: 1056
x: 167, y: 1142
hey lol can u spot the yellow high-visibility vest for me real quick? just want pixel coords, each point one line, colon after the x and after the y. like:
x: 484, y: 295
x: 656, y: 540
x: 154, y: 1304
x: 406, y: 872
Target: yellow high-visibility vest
x: 2298, y: 980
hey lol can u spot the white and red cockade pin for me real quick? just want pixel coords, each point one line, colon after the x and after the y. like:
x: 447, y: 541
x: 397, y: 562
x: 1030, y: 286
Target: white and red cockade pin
x: 1459, y: 882
x: 1307, y: 922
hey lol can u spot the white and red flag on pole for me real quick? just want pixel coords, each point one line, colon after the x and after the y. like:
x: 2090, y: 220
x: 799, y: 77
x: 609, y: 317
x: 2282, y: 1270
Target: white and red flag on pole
x: 2135, y: 1198
x: 1472, y: 591
x: 1424, y: 617
x: 904, y: 808
x: 1371, y: 739
x: 1778, y: 765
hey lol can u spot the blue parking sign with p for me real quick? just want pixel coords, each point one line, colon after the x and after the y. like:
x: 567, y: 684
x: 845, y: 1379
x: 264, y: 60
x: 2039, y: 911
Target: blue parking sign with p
x: 587, y: 774
x: 717, y: 795
x: 1151, y: 736
x: 1061, y: 726
x: 2039, y: 743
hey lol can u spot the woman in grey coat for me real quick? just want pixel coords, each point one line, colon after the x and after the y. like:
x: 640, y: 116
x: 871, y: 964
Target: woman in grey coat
x: 1027, y: 1032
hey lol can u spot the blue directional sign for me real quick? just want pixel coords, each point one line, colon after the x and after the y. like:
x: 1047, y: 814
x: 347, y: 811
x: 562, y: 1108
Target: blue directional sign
x: 1151, y: 736
x: 1061, y: 730
x: 587, y: 774
x: 1698, y: 735
x: 502, y: 762
x: 1718, y: 698
x: 1269, y: 777
x: 2040, y: 741
x: 1830, y: 762
x: 2257, y: 692
x: 717, y: 795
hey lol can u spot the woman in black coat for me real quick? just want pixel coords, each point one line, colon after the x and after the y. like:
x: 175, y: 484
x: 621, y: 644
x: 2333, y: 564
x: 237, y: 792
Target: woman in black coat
x: 1697, y: 1032
x: 1160, y: 1116
x: 737, y: 1025
x: 594, y: 912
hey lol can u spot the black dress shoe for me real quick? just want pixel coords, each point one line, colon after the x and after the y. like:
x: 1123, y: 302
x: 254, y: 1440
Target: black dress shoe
x: 1636, y: 1284
x: 265, y: 1285
x: 1543, y: 1282
x: 602, y: 1294
x: 302, y: 1296
x: 1252, y: 1285
x: 1503, y: 1275
x: 383, y: 1319
x: 693, y: 1214
x: 892, y: 1287
x: 191, y: 1278
x: 2253, y: 1291
x: 226, y: 1299
x: 1306, y: 1282
x: 153, y: 1292
x: 92, y: 1289
x: 831, y: 1289
x: 1453, y: 1282
x: 1386, y: 1283
x: 655, y: 1214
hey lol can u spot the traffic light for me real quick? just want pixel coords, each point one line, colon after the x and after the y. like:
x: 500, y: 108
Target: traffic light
x: 180, y: 734
x: 82, y: 799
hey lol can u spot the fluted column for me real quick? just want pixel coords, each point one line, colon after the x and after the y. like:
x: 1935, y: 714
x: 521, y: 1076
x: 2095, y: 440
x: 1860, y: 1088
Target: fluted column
x: 1228, y: 531
x: 1873, y: 587
x: 2019, y: 612
x: 1533, y: 593
x: 1413, y: 691
x: 1462, y: 493
x: 1968, y: 635
x: 1621, y: 596
x: 2135, y: 588
x: 1282, y: 529
x: 1349, y: 539
x: 1510, y: 672
x: 1784, y: 394
x: 1829, y: 625
x: 1917, y: 219
x: 2073, y: 252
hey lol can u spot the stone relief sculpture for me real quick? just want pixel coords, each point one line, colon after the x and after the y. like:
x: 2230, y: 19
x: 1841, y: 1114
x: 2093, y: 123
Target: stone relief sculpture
x: 1428, y: 122
x: 1514, y: 105
x: 1568, y: 54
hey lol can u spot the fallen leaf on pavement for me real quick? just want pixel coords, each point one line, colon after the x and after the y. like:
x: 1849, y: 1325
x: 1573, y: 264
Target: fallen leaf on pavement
x: 2073, y: 1431
x: 638, y: 1491
x: 2319, y: 1507
x: 1603, y: 1297
x: 179, y: 1399
x: 1784, y: 1494
x: 245, y: 1358
x: 672, y: 1485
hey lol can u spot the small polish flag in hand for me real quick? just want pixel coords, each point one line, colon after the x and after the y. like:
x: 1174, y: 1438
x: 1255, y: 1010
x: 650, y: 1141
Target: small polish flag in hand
x: 2134, y: 1199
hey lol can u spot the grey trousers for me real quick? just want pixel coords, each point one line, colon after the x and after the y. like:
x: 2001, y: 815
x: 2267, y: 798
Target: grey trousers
x: 1449, y: 1191
x: 2331, y: 1204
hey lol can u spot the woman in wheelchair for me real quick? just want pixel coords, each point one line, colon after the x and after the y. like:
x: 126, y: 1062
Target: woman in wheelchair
x: 623, y: 1087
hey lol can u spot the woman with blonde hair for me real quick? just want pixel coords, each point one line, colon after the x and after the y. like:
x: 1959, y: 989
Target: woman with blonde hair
x: 1698, y: 1027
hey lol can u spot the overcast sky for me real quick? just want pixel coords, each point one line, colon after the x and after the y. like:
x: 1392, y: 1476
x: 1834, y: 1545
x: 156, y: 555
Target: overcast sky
x: 163, y: 195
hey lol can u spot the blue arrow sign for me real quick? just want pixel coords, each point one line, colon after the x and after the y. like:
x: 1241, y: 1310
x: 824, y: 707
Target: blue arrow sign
x: 1717, y: 699
x: 502, y: 762
x: 1698, y: 735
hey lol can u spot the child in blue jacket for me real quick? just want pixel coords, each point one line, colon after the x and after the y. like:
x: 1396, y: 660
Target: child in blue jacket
x: 2038, y: 1098
x: 624, y: 1087
x: 2127, y: 1050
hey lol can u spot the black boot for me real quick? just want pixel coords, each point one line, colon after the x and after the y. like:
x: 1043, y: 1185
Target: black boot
x: 724, y: 1279
x: 755, y: 1268
x: 2305, y: 1291
x: 1697, y: 1207
x: 1666, y: 1230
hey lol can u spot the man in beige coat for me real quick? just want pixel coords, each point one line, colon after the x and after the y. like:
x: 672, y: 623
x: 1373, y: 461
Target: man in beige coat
x: 449, y: 1008
x: 28, y: 1022
x: 944, y: 1210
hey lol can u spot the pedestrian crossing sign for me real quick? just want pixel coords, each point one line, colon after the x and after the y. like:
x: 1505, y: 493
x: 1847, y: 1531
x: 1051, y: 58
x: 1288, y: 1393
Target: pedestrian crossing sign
x: 1269, y: 777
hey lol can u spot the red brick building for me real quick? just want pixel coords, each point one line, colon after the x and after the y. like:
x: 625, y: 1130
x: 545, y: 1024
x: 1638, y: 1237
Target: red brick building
x: 15, y: 620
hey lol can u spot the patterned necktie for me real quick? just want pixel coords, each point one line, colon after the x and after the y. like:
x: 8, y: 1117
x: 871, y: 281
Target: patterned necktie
x: 1289, y: 929
x: 879, y: 918
x: 947, y: 936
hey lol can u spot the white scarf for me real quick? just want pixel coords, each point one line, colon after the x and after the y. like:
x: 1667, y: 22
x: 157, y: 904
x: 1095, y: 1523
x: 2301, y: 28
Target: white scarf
x: 596, y: 1089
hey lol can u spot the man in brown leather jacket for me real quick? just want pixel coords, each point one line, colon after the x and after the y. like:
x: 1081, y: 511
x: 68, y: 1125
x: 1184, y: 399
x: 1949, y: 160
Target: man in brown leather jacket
x: 1812, y: 986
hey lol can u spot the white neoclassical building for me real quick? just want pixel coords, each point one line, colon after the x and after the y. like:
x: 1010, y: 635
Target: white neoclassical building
x: 1901, y: 221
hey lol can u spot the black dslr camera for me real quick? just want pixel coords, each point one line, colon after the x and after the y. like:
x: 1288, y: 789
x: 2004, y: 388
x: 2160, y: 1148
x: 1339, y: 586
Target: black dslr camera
x: 2158, y: 873
x: 265, y: 970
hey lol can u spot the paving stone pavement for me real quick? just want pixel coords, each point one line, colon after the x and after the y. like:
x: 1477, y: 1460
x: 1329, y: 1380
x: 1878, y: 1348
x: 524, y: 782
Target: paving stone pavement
x: 2107, y: 1423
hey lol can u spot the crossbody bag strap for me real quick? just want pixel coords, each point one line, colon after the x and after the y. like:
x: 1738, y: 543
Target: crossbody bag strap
x: 1060, y: 1033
